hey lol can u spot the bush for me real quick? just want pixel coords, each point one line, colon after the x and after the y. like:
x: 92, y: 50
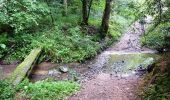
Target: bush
x: 43, y: 90
x: 156, y: 39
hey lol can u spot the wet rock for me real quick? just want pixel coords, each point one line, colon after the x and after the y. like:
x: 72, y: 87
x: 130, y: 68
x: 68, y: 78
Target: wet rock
x: 54, y: 72
x: 63, y: 69
x: 146, y: 63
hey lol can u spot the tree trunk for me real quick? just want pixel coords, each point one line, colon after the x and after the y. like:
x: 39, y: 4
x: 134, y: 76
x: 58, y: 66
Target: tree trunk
x: 89, y: 8
x: 106, y: 17
x: 86, y: 7
x: 65, y: 7
x: 25, y: 67
x: 85, y: 12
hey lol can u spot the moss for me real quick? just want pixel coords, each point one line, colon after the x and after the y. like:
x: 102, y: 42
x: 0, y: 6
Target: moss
x: 23, y: 69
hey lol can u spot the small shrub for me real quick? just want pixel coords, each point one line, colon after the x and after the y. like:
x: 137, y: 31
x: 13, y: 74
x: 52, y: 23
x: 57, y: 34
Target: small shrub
x: 41, y: 90
x: 44, y: 90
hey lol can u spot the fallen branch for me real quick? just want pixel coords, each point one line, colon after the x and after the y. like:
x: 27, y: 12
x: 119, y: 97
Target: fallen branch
x: 25, y: 67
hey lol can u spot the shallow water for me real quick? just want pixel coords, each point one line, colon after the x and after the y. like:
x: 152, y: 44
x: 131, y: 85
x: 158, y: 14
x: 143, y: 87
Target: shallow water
x: 126, y: 64
x: 119, y: 65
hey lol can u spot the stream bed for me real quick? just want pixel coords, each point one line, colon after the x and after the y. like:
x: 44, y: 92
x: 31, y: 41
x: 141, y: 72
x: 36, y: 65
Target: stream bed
x: 118, y: 65
x: 115, y: 64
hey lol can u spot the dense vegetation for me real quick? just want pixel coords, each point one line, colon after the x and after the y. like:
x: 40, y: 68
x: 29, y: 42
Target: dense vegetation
x: 41, y: 90
x: 158, y: 35
x: 29, y: 24
x: 156, y: 85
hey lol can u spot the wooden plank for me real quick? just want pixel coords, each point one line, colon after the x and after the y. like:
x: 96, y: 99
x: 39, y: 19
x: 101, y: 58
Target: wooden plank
x: 25, y: 67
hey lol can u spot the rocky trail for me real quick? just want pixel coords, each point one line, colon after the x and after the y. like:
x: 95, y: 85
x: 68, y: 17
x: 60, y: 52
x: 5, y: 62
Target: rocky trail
x: 107, y: 79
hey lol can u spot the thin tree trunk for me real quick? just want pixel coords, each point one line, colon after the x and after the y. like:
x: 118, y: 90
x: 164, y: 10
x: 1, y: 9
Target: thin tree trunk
x: 85, y: 12
x: 65, y: 7
x: 89, y: 8
x: 105, y: 19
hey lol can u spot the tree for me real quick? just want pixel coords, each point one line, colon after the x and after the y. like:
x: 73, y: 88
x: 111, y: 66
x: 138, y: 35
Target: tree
x: 65, y: 4
x: 86, y: 6
x: 106, y: 17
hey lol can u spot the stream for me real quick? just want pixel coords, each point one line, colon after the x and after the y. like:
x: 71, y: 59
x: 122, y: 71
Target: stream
x: 118, y: 65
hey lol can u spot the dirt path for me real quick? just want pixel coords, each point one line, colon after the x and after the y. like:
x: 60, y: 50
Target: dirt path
x: 109, y: 86
x: 130, y: 41
x: 106, y: 87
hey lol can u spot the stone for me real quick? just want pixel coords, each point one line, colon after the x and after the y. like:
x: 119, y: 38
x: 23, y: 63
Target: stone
x: 146, y: 65
x: 63, y: 69
x: 148, y: 62
x: 54, y: 72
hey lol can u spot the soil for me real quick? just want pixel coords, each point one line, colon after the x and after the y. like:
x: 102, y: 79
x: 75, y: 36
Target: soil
x: 107, y: 87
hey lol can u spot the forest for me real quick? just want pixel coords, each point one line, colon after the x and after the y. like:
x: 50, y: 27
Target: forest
x: 84, y: 49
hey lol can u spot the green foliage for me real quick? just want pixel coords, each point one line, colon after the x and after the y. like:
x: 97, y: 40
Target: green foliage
x: 124, y: 13
x: 7, y: 91
x: 43, y: 90
x: 43, y: 24
x: 58, y: 46
x: 157, y: 37
x: 22, y: 15
x: 160, y: 88
x: 3, y: 42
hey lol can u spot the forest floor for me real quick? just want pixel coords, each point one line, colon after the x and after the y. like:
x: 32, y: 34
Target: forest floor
x: 109, y: 86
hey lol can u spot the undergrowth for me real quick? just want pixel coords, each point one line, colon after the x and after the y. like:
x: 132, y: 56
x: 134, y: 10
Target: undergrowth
x: 41, y: 90
x: 157, y: 83
x: 157, y: 37
x: 58, y: 46
x: 62, y: 38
